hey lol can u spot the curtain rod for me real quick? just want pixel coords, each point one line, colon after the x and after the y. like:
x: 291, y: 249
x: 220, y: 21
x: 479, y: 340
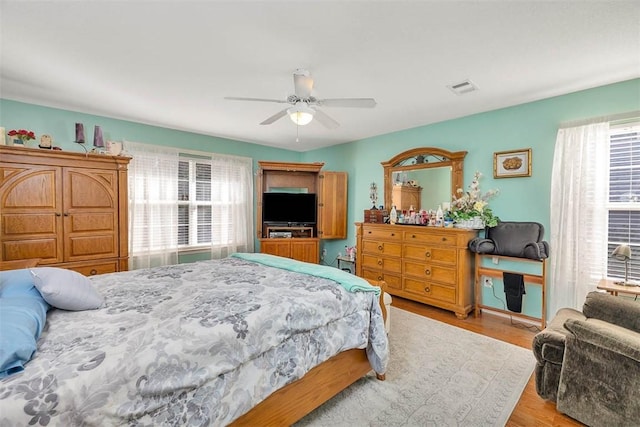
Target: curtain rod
x: 203, y: 154
x: 612, y: 118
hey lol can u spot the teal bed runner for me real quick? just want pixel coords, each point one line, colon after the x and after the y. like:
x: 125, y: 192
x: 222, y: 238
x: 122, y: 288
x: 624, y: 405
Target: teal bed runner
x: 348, y: 281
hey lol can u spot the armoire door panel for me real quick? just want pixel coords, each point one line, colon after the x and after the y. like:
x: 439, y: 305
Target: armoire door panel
x: 91, y: 246
x: 304, y: 251
x: 46, y: 249
x: 31, y: 189
x: 28, y: 225
x: 332, y: 205
x: 83, y: 222
x: 89, y: 189
x: 279, y: 248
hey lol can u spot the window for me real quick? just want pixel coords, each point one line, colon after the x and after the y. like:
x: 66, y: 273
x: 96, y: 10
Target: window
x: 194, y: 203
x: 183, y: 200
x: 624, y: 199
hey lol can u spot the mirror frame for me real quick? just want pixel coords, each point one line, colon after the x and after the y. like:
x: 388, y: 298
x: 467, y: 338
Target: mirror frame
x: 447, y: 158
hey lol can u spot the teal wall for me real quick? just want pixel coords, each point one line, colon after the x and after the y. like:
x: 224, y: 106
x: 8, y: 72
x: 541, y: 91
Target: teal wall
x: 60, y: 124
x: 533, y: 125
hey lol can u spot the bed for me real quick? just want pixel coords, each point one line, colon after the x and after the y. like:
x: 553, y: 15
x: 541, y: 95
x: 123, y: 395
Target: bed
x: 250, y: 339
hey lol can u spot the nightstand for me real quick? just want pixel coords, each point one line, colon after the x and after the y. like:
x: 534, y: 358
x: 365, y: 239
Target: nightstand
x: 345, y: 263
x: 609, y: 286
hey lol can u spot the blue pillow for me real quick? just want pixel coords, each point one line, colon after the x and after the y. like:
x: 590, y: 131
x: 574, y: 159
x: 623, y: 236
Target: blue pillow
x: 17, y: 283
x: 23, y: 313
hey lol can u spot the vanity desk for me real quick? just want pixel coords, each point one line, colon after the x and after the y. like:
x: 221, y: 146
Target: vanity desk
x: 431, y: 265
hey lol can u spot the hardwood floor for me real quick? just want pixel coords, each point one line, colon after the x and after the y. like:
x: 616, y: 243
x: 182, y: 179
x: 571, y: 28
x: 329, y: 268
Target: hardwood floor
x: 531, y: 409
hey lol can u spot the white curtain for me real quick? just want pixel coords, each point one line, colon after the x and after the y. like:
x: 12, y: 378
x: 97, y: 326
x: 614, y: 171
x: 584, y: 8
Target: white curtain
x: 153, y: 206
x: 579, y: 188
x: 232, y: 205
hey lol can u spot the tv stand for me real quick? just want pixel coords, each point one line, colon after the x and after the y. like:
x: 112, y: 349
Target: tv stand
x: 301, y: 240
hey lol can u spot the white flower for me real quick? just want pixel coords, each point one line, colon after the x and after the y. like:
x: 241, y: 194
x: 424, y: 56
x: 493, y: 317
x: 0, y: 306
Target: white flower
x: 474, y: 203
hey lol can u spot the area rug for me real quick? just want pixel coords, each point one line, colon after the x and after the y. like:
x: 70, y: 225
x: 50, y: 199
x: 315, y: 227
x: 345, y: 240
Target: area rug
x: 438, y: 375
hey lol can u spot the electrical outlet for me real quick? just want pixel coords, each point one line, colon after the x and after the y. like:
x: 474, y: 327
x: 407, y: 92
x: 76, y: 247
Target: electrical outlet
x: 324, y: 254
x: 488, y: 282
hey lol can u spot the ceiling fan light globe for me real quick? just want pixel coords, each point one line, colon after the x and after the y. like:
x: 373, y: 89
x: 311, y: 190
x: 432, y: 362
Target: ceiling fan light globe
x: 300, y: 118
x: 301, y: 114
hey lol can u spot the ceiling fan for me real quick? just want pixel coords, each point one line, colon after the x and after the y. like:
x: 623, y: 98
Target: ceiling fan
x: 304, y: 106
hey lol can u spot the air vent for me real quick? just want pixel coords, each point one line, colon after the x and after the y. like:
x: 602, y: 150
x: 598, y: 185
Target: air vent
x: 463, y: 87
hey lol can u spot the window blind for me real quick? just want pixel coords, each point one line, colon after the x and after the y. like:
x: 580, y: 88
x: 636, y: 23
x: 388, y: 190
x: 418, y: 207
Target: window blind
x: 624, y: 198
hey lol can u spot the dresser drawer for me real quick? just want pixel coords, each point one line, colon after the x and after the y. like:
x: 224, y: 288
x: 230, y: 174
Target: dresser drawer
x: 430, y: 272
x: 384, y: 233
x: 430, y: 238
x: 95, y: 268
x: 393, y: 281
x: 391, y: 265
x: 437, y: 254
x: 432, y: 290
x: 381, y: 248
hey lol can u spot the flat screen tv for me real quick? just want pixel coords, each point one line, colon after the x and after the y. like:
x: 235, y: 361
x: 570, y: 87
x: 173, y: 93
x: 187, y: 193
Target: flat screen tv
x: 297, y: 208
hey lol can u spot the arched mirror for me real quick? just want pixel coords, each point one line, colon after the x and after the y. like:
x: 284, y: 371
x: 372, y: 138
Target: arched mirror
x: 422, y: 177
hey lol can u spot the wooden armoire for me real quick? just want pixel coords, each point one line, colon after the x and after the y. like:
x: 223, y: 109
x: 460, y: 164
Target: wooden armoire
x: 66, y: 209
x: 331, y: 221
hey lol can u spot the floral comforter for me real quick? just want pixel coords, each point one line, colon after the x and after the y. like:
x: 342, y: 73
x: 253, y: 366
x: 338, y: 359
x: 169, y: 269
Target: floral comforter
x: 190, y: 344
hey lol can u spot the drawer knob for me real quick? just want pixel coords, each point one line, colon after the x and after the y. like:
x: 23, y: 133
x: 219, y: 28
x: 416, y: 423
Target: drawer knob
x: 427, y: 289
x: 380, y: 277
x: 393, y: 234
x: 380, y: 247
x: 368, y: 232
x: 427, y: 254
x: 413, y: 236
x: 379, y: 262
x: 58, y: 214
x: 66, y: 214
x: 444, y: 239
x: 93, y: 272
x: 427, y: 272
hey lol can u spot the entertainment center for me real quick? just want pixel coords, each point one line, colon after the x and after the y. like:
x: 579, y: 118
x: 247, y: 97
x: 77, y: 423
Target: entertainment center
x: 297, y: 205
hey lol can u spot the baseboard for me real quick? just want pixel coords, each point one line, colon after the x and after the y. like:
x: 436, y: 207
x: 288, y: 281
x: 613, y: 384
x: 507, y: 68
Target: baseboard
x: 506, y: 316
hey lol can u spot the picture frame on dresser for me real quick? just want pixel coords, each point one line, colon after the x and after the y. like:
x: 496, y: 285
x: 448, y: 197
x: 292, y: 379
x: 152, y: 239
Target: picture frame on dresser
x: 512, y: 164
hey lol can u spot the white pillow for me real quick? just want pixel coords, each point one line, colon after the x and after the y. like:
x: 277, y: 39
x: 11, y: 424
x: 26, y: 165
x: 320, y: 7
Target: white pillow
x: 66, y: 289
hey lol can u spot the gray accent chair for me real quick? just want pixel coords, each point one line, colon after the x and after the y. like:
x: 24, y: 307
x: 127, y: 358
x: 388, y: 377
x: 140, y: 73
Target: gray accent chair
x: 589, y: 362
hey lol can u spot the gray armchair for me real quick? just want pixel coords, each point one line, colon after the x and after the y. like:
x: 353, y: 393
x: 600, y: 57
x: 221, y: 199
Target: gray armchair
x: 589, y: 362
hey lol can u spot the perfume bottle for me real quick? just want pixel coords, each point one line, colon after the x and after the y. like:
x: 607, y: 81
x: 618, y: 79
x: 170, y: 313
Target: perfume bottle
x: 393, y: 215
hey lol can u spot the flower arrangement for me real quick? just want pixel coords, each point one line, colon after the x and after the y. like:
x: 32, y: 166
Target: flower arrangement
x: 473, y: 203
x: 22, y: 135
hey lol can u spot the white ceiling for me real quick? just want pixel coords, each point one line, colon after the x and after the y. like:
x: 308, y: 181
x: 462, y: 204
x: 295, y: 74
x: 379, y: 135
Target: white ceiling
x: 171, y: 63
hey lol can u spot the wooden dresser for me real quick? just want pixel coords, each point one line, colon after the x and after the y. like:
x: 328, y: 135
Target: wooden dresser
x: 426, y: 264
x: 66, y: 209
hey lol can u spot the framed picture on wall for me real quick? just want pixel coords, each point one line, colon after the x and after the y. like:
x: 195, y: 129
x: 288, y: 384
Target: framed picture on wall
x: 512, y: 164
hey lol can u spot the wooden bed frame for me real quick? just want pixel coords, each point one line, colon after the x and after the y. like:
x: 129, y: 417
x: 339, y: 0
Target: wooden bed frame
x: 295, y: 400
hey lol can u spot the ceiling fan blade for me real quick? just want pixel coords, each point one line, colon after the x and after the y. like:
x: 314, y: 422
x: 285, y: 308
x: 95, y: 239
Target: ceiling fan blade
x: 237, y: 98
x: 303, y: 83
x: 325, y: 120
x: 276, y: 116
x: 347, y: 102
